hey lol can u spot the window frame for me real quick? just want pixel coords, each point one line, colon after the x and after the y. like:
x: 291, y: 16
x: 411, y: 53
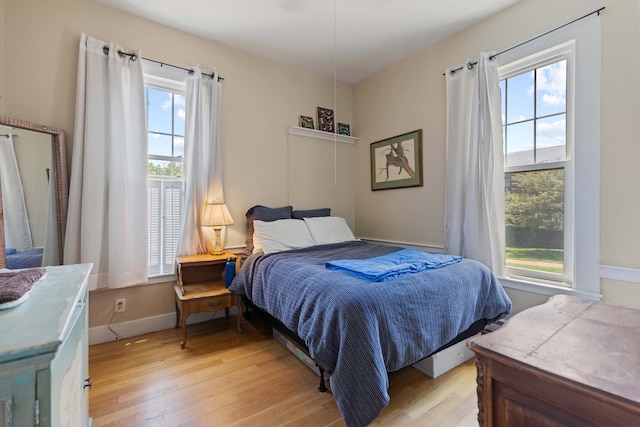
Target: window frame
x: 586, y: 38
x: 534, y: 62
x: 168, y: 84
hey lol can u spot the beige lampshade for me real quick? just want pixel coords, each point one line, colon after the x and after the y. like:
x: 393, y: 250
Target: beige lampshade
x: 216, y: 215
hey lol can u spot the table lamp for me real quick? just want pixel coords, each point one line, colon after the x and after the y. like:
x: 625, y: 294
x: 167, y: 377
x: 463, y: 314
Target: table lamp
x: 217, y: 216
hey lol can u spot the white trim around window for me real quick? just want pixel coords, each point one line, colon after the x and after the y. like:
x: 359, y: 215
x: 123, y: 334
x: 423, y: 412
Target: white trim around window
x: 583, y: 39
x: 166, y: 79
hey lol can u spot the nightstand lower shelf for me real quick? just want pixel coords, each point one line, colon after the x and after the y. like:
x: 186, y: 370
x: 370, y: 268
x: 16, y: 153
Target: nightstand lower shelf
x: 204, y: 297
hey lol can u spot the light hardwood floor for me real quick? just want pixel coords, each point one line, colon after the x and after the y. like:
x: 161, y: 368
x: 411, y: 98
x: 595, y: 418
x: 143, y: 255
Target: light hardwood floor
x: 223, y: 378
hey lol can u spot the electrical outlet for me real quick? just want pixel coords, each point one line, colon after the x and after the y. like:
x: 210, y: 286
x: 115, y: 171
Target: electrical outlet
x: 120, y: 305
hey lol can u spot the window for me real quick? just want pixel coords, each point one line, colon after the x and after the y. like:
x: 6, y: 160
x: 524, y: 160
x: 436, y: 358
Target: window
x: 577, y: 49
x: 538, y: 169
x: 165, y: 103
x: 551, y: 124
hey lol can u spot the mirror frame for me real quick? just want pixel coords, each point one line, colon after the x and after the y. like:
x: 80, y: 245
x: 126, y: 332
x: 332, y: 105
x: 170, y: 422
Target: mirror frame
x: 60, y: 176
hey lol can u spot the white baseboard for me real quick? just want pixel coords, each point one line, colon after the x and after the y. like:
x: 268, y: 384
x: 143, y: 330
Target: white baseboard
x: 132, y: 328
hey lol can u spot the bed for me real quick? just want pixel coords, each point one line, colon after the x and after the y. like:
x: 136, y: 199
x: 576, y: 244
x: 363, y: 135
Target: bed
x: 358, y: 329
x: 24, y: 259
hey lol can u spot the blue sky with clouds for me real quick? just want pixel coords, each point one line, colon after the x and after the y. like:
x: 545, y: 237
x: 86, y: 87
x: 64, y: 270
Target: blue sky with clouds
x: 520, y: 105
x: 166, y: 115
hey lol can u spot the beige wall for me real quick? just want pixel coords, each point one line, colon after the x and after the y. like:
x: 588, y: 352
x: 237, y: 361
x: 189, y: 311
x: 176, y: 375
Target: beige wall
x: 411, y: 95
x: 261, y: 99
x: 2, y: 58
x: 325, y: 175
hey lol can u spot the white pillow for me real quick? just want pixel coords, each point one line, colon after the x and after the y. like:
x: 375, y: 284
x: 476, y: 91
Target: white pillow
x: 329, y: 229
x: 283, y: 235
x: 257, y: 246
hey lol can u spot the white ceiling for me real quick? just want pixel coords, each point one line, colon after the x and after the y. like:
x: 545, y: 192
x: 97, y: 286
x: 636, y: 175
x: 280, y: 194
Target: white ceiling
x: 370, y: 35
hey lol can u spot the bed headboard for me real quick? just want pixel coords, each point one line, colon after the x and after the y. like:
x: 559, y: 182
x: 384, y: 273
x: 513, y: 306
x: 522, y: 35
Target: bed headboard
x: 264, y: 213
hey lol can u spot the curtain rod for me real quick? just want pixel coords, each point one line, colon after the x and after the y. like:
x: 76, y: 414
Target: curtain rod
x: 470, y: 64
x: 133, y: 56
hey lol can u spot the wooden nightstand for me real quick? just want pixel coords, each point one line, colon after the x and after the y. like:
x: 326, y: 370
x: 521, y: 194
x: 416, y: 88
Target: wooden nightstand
x: 201, y: 288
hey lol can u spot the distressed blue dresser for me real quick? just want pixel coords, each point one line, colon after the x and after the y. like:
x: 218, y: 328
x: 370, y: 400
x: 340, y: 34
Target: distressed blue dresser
x: 44, y: 353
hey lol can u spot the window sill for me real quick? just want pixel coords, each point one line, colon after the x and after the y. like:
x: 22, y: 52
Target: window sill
x: 160, y: 278
x: 545, y: 289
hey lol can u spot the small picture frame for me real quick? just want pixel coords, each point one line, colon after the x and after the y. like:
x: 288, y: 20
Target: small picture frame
x: 306, y: 122
x: 325, y: 120
x: 343, y: 129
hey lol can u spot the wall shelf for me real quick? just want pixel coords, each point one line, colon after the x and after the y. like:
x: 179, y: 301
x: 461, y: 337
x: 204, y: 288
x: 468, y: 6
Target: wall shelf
x: 318, y: 134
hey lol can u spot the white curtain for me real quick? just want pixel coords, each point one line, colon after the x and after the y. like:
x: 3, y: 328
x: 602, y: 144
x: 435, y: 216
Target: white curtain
x: 474, y: 208
x: 107, y: 219
x: 17, y: 233
x: 202, y: 158
x: 51, y: 251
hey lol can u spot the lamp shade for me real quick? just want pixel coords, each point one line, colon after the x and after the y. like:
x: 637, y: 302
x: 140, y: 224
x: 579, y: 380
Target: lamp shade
x: 216, y: 215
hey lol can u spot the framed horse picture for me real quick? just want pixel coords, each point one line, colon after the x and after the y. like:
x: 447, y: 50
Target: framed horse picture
x: 397, y: 162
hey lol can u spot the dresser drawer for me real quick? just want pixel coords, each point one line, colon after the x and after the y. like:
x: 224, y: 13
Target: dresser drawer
x: 212, y: 303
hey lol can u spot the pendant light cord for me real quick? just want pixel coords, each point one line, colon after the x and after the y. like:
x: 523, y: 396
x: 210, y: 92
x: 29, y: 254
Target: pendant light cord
x: 335, y: 95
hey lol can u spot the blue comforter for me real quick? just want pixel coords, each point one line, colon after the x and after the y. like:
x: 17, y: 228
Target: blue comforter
x: 26, y: 259
x: 359, y: 330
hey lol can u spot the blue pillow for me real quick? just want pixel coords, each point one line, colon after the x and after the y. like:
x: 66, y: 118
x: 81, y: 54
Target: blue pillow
x: 11, y: 251
x: 262, y: 213
x: 311, y: 213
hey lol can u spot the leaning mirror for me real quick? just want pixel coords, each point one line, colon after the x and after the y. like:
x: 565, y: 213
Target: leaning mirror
x: 34, y: 193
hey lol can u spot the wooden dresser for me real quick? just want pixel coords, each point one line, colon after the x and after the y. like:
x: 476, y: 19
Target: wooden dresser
x: 568, y: 362
x: 43, y: 353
